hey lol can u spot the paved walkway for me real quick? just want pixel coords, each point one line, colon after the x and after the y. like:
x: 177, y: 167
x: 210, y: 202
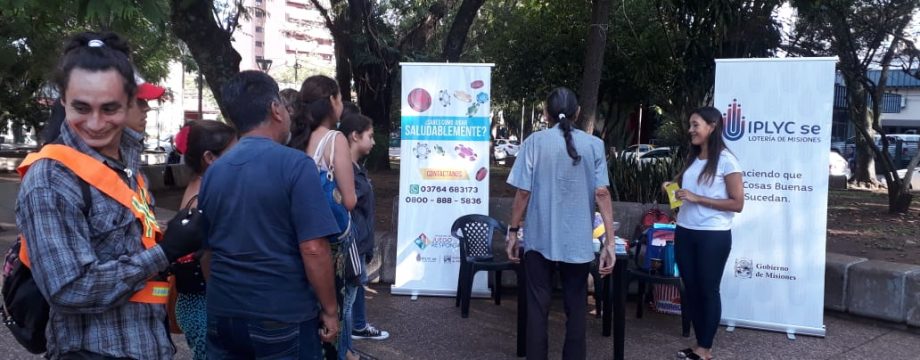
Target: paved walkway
x: 431, y: 328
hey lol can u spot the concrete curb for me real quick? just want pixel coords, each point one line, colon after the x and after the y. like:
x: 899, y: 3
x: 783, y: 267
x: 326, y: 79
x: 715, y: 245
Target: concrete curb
x: 912, y: 299
x: 877, y: 289
x: 835, y: 280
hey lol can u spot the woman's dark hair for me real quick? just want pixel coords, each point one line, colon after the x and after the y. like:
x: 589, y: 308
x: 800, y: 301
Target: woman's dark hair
x: 96, y: 52
x: 290, y: 97
x: 562, y: 107
x: 714, y: 145
x: 354, y: 123
x: 314, y: 107
x: 203, y: 136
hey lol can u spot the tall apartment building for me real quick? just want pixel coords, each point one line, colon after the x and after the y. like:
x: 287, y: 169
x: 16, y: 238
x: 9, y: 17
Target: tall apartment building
x: 291, y: 34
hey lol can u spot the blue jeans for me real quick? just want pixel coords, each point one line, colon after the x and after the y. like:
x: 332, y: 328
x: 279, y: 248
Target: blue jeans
x: 359, y: 312
x: 701, y: 256
x: 239, y: 338
x: 349, y: 292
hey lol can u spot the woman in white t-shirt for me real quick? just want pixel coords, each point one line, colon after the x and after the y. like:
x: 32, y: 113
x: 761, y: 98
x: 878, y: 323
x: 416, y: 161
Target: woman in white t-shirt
x: 712, y: 192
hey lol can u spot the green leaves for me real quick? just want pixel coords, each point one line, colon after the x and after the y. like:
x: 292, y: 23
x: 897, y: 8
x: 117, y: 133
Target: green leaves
x: 39, y: 28
x: 641, y: 182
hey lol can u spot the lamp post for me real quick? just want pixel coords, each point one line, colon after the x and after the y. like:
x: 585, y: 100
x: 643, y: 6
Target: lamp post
x: 264, y: 64
x: 296, y: 67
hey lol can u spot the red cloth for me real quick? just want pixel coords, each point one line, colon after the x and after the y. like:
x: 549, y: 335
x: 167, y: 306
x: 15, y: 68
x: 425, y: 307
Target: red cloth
x: 181, y: 139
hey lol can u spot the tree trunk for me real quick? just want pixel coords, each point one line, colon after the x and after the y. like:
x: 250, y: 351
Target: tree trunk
x: 193, y: 22
x: 375, y: 99
x: 373, y: 80
x: 899, y: 200
x: 338, y: 26
x: 343, y: 73
x: 456, y: 38
x: 417, y: 38
x: 864, y: 174
x: 594, y: 63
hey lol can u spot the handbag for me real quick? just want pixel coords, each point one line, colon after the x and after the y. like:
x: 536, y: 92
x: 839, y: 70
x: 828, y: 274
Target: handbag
x: 349, y: 264
x: 174, y: 327
x: 330, y: 187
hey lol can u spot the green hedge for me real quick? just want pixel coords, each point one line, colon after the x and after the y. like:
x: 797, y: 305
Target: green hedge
x: 635, y: 183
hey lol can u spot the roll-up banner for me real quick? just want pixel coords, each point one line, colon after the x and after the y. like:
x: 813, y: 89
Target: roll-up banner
x: 443, y: 171
x: 777, y: 117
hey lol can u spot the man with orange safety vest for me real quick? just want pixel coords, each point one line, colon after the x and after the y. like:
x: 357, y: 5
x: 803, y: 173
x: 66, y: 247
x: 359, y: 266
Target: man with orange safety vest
x: 96, y: 258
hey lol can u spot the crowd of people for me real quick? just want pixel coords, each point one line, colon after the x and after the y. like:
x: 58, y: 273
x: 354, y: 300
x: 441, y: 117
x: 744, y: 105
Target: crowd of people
x: 269, y: 251
x: 255, y: 254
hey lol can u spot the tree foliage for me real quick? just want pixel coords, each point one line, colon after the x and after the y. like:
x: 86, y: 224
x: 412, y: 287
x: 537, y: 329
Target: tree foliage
x: 31, y: 36
x: 659, y: 53
x: 372, y: 37
x: 863, y: 34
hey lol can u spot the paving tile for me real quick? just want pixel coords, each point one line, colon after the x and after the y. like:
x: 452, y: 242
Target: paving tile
x: 893, y: 345
x: 431, y: 328
x: 490, y: 333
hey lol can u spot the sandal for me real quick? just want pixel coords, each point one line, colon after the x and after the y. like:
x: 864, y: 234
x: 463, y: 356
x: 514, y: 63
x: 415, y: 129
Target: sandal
x: 682, y: 354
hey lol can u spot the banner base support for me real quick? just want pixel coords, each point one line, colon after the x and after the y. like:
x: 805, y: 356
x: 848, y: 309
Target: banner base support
x: 791, y: 331
x: 416, y: 292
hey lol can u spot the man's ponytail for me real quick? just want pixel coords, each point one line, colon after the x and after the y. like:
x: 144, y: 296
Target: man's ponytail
x: 562, y: 105
x: 566, y: 125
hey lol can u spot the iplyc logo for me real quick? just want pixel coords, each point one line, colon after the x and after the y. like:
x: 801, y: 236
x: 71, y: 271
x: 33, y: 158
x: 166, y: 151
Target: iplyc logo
x: 733, y: 122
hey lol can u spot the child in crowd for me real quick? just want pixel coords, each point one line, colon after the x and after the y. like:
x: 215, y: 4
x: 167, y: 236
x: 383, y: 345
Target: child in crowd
x: 359, y: 131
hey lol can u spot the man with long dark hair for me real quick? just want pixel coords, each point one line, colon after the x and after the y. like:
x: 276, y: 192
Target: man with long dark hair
x: 561, y: 175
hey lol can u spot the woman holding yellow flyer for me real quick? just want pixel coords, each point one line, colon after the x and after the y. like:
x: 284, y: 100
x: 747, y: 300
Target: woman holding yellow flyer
x: 710, y: 193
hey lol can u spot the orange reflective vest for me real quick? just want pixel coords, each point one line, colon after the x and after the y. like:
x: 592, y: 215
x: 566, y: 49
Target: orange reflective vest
x: 107, y: 181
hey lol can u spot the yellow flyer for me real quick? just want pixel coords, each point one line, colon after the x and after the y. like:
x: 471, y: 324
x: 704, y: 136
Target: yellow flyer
x: 672, y: 188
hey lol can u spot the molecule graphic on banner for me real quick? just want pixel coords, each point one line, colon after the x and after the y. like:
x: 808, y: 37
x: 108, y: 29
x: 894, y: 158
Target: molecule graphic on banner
x: 420, y: 99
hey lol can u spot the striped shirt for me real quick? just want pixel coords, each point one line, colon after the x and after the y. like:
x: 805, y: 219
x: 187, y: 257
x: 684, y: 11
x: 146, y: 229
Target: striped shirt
x: 88, y: 268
